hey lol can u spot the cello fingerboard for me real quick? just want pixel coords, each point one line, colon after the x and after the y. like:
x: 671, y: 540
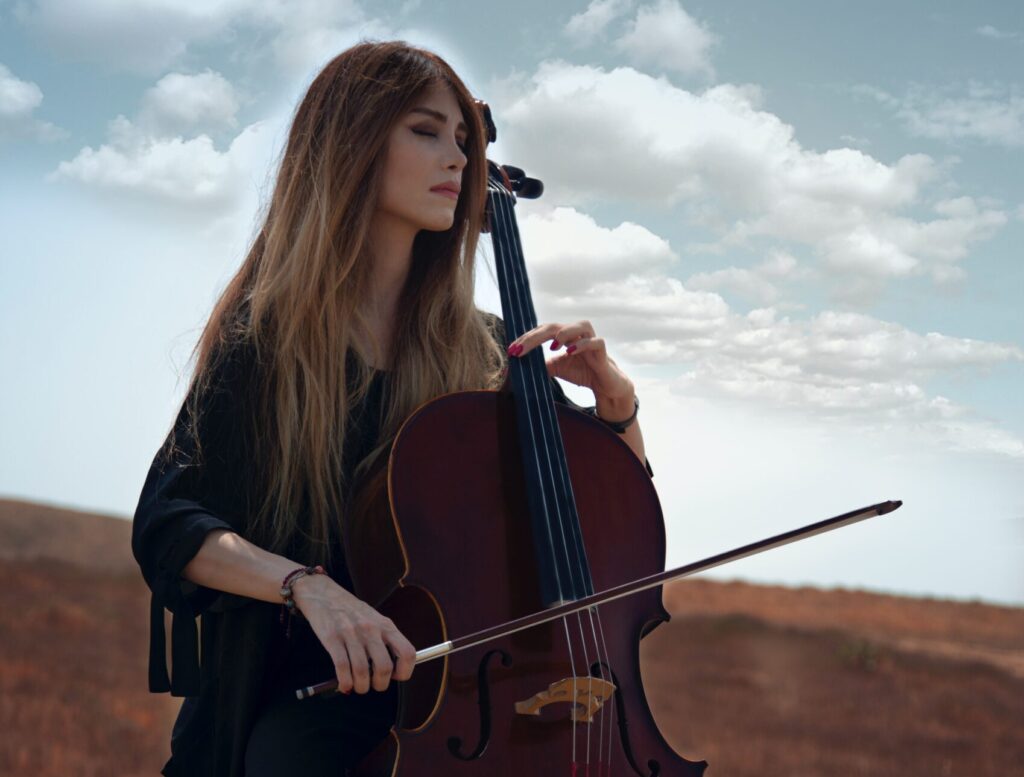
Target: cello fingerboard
x: 563, y: 569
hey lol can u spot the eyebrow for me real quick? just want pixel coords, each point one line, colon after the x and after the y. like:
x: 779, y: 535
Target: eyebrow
x: 439, y: 116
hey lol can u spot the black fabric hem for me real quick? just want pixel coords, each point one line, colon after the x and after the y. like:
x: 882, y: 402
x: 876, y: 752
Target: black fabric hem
x: 168, y: 593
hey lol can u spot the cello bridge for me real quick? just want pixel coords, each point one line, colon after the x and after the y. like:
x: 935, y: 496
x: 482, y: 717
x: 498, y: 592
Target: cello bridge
x: 586, y: 694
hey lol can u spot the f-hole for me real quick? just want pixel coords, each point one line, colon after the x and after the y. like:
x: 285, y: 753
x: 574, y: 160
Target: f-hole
x: 484, y: 702
x: 598, y: 669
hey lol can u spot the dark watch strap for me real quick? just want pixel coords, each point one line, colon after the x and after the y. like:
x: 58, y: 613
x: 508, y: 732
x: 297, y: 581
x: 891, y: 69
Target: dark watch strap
x: 618, y: 426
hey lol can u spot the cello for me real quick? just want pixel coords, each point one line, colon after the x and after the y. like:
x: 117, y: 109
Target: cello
x: 526, y: 546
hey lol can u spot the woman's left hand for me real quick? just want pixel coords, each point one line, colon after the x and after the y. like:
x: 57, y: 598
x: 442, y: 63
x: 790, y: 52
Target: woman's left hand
x: 584, y: 362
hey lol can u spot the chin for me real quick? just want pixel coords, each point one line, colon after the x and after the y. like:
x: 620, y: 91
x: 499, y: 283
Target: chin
x: 438, y: 225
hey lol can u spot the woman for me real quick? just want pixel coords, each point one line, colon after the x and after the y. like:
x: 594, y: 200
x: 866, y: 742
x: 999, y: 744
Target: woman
x: 354, y: 306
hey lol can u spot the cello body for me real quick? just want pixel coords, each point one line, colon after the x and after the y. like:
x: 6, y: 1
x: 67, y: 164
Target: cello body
x: 457, y: 556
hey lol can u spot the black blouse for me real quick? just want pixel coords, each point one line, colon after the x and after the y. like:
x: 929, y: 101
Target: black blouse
x: 243, y: 657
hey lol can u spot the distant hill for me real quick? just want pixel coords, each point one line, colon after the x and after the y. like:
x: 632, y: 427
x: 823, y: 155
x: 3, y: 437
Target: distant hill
x: 74, y: 632
x: 29, y: 531
x: 755, y: 679
x: 803, y: 681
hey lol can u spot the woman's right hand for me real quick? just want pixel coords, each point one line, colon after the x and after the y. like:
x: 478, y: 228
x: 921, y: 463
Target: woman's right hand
x: 355, y: 635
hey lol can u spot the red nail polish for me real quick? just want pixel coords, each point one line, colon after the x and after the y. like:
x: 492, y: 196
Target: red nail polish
x: 511, y: 350
x: 555, y: 345
x: 519, y: 349
x: 570, y: 349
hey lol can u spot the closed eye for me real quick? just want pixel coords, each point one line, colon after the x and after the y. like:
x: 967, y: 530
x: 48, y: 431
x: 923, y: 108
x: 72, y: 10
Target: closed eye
x: 462, y: 146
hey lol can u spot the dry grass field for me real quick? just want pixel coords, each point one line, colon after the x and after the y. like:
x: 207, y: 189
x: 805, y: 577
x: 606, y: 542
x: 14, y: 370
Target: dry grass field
x: 756, y: 680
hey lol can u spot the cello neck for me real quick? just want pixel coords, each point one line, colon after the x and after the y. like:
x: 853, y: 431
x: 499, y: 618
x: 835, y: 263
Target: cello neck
x: 563, y: 569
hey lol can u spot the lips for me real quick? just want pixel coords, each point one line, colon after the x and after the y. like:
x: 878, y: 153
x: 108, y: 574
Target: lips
x: 447, y: 187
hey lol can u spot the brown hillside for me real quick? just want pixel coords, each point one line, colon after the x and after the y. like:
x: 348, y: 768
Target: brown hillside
x: 755, y: 679
x: 969, y: 631
x: 809, y: 682
x: 29, y: 530
x: 73, y: 698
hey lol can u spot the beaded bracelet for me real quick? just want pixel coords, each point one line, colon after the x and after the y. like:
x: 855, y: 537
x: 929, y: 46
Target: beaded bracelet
x: 286, y: 592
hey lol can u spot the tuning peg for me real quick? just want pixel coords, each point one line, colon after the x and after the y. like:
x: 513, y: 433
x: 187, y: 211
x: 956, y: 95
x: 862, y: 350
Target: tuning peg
x: 522, y: 185
x: 485, y: 110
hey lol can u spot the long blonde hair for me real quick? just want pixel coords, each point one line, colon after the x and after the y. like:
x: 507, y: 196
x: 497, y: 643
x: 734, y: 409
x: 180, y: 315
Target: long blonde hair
x: 296, y: 298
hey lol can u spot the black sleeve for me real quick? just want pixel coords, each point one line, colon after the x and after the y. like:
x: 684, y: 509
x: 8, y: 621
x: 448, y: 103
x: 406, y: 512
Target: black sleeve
x: 497, y: 328
x: 182, y: 500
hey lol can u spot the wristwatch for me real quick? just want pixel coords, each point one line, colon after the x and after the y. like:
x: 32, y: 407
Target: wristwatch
x: 618, y: 426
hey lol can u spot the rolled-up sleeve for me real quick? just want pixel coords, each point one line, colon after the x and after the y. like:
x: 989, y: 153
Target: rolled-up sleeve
x: 183, y: 499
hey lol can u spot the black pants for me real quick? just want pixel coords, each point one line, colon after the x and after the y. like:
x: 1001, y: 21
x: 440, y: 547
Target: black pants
x: 319, y: 737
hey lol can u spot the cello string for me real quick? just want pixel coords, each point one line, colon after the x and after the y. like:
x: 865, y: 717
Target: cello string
x: 497, y: 200
x: 590, y: 689
x: 568, y: 641
x: 602, y: 659
x: 550, y: 429
x: 540, y: 413
x: 547, y: 423
x: 519, y: 319
x: 614, y: 700
x: 562, y: 474
x: 547, y: 409
x: 517, y: 310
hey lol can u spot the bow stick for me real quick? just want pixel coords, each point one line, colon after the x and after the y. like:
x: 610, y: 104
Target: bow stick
x: 626, y: 589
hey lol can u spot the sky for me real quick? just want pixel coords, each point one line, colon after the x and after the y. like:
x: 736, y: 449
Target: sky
x: 796, y: 225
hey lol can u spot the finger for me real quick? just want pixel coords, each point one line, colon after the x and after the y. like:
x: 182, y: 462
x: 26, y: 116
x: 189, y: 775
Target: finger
x: 342, y: 666
x: 529, y: 340
x: 383, y: 666
x: 360, y: 662
x: 572, y: 333
x: 404, y: 652
x: 588, y: 344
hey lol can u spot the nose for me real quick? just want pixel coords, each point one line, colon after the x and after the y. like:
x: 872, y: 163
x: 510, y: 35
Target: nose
x: 457, y: 158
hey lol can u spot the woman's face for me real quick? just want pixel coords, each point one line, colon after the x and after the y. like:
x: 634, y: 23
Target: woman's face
x: 425, y: 152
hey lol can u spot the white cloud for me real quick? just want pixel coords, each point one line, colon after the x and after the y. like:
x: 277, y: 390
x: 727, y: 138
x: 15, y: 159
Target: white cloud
x: 566, y: 246
x: 990, y: 114
x: 590, y: 25
x: 153, y: 154
x: 832, y: 365
x: 737, y: 170
x: 180, y: 103
x: 664, y: 36
x: 17, y: 98
x: 756, y: 284
x: 988, y: 31
x: 18, y: 101
x: 837, y: 366
x: 148, y: 36
x: 138, y: 35
x: 855, y: 140
x: 650, y: 316
x: 293, y: 40
x: 189, y: 172
x: 309, y: 33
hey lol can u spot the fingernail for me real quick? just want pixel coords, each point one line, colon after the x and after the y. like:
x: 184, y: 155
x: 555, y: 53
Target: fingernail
x: 515, y: 349
x: 570, y: 349
x: 555, y: 345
